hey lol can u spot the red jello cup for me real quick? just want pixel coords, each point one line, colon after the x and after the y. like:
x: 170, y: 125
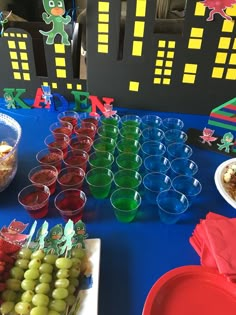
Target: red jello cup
x: 70, y: 204
x: 71, y: 177
x: 89, y: 117
x: 87, y: 129
x: 81, y: 142
x: 35, y: 198
x: 45, y: 175
x: 50, y: 156
x: 64, y: 127
x: 78, y: 158
x: 69, y: 116
x: 59, y: 141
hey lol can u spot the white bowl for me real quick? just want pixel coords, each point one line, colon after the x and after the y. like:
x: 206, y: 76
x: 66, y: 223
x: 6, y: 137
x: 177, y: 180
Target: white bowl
x: 10, y: 134
x: 219, y: 181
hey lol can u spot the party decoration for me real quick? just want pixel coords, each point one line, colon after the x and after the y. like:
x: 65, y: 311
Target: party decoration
x: 80, y: 234
x: 207, y: 136
x: 54, y: 239
x: 3, y: 20
x: 13, y: 233
x: 227, y: 142
x: 54, y: 14
x: 218, y: 7
x: 68, y: 235
x: 10, y: 102
x: 40, y: 236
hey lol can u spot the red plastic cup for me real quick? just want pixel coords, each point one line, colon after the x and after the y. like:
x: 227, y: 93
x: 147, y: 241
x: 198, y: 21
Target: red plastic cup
x: 81, y: 142
x: 50, y: 156
x: 78, y: 158
x: 45, y: 175
x: 59, y: 140
x: 88, y: 117
x: 69, y: 116
x: 64, y: 127
x: 71, y: 177
x: 87, y: 129
x: 35, y: 199
x: 70, y: 204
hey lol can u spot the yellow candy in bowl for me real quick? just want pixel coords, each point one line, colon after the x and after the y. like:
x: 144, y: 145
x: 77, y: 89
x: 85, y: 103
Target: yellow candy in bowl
x: 10, y: 134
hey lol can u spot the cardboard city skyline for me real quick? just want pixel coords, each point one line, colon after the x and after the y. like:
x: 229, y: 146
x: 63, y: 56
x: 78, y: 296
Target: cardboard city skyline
x: 189, y: 72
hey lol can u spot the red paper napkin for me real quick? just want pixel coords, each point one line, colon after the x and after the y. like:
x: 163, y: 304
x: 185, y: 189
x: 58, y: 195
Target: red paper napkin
x: 214, y: 239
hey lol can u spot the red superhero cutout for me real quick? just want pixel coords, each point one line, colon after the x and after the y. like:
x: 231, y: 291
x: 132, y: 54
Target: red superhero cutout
x: 218, y: 6
x: 207, y: 136
x: 13, y: 232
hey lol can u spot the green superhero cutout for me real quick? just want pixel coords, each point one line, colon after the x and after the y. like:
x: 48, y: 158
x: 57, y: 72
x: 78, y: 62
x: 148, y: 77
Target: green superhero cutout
x: 10, y: 102
x: 68, y: 235
x: 80, y: 234
x: 54, y: 239
x: 55, y: 9
x: 41, y: 235
x: 227, y: 142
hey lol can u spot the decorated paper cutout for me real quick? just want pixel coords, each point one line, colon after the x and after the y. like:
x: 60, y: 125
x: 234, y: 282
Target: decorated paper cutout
x: 207, y: 136
x: 41, y: 235
x: 68, y: 236
x: 55, y: 9
x: 16, y: 96
x: 218, y: 7
x: 3, y: 21
x: 13, y: 233
x: 227, y: 141
x: 80, y: 234
x: 54, y: 239
x: 31, y: 233
x: 10, y: 102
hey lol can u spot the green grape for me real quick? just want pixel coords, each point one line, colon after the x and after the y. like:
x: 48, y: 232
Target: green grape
x: 39, y: 310
x: 63, y: 263
x: 22, y: 308
x: 27, y: 296
x: 45, y: 278
x: 46, y: 268
x: 71, y: 289
x: 63, y: 273
x: 52, y: 312
x: 70, y: 300
x: 50, y: 259
x: 34, y: 263
x: 76, y: 261
x: 24, y: 253
x: 60, y: 293
x: 13, y: 284
x: 7, y: 307
x: 43, y: 288
x: 62, y: 283
x: 28, y: 284
x: 31, y: 274
x: 40, y: 299
x: 17, y: 273
x: 74, y: 272
x: 39, y: 254
x: 78, y: 252
x: 74, y: 282
x: 22, y: 263
x: 9, y: 295
x: 57, y: 305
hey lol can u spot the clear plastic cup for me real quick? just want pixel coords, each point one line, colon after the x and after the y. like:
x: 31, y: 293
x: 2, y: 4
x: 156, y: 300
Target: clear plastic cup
x: 153, y: 147
x: 127, y: 179
x: 61, y: 127
x: 51, y: 156
x: 152, y: 133
x: 87, y: 129
x: 101, y: 159
x: 99, y: 180
x: 88, y: 117
x: 71, y: 177
x: 183, y: 166
x: 104, y: 144
x: 172, y: 123
x: 131, y: 120
x: 81, y: 142
x: 130, y: 132
x: 69, y: 116
x: 178, y: 150
x: 130, y: 161
x: 78, y: 158
x: 108, y: 131
x: 151, y: 121
x: 113, y: 120
x: 59, y: 141
x: 128, y: 146
x: 175, y: 135
x: 187, y: 185
x: 156, y: 163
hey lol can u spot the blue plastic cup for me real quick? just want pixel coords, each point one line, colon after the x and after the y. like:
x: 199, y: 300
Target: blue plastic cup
x: 152, y: 147
x: 178, y: 150
x: 152, y: 133
x: 172, y: 205
x: 172, y: 123
x: 187, y: 185
x: 183, y: 166
x: 151, y: 121
x: 175, y: 135
x: 153, y: 184
x: 155, y: 163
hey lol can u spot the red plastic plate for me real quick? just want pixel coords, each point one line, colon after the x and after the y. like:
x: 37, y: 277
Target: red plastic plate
x: 191, y: 290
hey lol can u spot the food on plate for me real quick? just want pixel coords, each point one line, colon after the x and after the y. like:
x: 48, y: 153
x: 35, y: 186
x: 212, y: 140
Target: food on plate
x: 229, y: 180
x: 8, y: 163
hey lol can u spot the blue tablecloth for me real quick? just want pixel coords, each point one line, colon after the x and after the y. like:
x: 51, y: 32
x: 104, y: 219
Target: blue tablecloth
x: 134, y: 255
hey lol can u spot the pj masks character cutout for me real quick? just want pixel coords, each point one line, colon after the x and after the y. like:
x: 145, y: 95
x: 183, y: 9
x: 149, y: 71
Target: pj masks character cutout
x: 55, y: 9
x: 218, y: 6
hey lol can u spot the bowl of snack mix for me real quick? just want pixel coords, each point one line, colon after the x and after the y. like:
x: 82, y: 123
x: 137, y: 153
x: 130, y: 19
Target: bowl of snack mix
x: 10, y: 134
x: 225, y: 180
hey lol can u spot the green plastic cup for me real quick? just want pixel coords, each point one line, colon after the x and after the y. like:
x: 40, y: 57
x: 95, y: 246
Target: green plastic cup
x: 129, y: 161
x: 127, y: 179
x: 109, y: 131
x: 130, y: 132
x: 101, y: 159
x: 99, y: 180
x: 125, y: 202
x: 128, y: 145
x: 104, y: 144
x: 113, y: 120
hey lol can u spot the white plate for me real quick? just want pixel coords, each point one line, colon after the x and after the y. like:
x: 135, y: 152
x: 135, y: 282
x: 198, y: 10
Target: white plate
x: 89, y: 297
x: 219, y: 181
